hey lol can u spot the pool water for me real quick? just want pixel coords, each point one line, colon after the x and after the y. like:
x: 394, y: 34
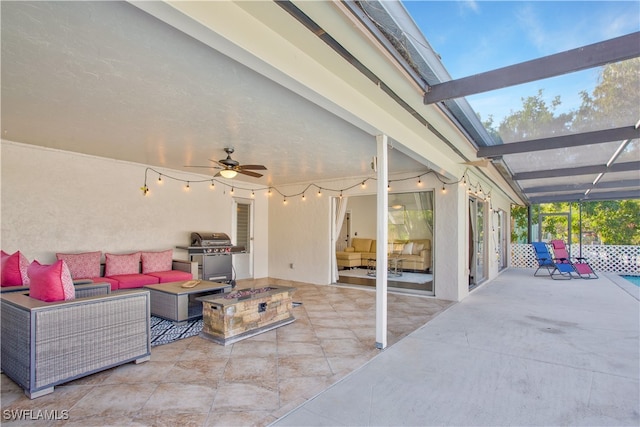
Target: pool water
x: 633, y: 279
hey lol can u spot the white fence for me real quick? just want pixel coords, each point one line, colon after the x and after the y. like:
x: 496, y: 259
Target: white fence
x: 622, y: 259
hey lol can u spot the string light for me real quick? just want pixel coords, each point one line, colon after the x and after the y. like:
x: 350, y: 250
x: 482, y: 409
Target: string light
x: 472, y: 188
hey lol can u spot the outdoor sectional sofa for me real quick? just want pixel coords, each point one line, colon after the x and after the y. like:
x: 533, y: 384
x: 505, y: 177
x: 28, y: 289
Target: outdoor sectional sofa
x: 45, y: 344
x: 416, y: 253
x: 121, y: 271
x: 132, y: 270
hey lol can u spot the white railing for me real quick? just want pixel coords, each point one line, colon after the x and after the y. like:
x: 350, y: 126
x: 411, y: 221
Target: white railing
x: 622, y: 259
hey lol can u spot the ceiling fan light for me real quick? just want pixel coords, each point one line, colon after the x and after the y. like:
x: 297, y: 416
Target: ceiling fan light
x: 228, y: 173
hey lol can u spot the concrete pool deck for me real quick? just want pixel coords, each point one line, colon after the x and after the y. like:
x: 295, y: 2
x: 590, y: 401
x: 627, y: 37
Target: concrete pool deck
x: 520, y: 350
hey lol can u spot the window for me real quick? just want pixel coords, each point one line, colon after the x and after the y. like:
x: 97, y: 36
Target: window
x: 243, y: 225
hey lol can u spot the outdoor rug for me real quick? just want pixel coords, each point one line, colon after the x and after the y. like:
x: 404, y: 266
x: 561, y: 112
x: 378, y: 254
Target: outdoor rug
x: 165, y: 331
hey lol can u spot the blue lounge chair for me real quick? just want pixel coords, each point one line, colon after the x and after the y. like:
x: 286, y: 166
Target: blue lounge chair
x: 556, y: 268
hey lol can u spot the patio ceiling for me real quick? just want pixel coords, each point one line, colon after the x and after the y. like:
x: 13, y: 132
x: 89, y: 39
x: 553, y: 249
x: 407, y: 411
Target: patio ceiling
x: 601, y: 161
x: 110, y: 79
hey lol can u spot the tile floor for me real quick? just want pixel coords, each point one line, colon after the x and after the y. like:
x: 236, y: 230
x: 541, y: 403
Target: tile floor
x: 195, y: 382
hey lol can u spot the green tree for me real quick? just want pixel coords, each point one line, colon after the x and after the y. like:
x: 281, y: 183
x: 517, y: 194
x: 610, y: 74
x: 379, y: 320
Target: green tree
x: 615, y: 222
x: 537, y: 119
x: 612, y: 102
x: 614, y: 99
x: 519, y: 224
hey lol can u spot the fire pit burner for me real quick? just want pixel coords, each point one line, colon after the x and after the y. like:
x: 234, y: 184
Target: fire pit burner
x: 243, y: 293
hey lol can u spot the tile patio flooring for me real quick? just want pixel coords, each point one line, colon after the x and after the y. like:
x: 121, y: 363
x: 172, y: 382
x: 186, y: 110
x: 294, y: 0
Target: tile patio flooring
x: 194, y: 382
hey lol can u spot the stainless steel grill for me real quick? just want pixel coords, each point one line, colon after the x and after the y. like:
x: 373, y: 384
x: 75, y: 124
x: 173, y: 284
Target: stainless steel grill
x: 212, y: 251
x: 210, y: 243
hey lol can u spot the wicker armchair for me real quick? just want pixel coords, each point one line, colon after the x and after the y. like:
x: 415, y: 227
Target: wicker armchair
x: 47, y: 344
x: 83, y: 289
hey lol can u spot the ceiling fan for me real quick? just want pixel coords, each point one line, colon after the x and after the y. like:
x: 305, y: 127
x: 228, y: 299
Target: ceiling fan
x: 230, y: 168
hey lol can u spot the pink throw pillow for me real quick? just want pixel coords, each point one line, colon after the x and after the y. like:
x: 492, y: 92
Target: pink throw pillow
x: 82, y: 266
x: 157, y: 261
x: 51, y: 282
x: 14, y: 269
x: 122, y: 264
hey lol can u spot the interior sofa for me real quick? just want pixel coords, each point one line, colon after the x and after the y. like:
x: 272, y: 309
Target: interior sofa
x: 416, y: 253
x: 45, y: 344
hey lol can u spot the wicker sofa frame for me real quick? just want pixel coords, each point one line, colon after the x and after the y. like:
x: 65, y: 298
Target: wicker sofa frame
x: 47, y: 344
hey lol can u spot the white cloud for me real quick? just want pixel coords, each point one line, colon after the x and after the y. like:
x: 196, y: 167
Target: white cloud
x: 468, y: 5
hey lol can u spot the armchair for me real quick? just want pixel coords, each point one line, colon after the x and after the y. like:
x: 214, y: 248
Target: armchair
x: 45, y: 344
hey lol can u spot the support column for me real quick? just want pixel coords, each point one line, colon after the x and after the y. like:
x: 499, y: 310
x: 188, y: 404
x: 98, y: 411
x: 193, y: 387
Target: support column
x: 382, y: 236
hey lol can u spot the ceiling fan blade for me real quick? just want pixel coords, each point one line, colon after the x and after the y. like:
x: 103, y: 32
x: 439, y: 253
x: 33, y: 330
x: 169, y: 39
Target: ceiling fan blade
x: 207, y: 167
x: 254, y: 167
x: 249, y: 173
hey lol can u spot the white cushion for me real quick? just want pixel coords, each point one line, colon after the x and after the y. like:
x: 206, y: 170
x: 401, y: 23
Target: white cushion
x: 407, y: 249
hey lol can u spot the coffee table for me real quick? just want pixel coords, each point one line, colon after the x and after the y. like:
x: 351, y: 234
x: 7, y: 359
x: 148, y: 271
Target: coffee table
x: 394, y: 266
x: 173, y: 301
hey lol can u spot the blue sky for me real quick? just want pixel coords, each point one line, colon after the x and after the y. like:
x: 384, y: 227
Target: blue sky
x: 476, y: 36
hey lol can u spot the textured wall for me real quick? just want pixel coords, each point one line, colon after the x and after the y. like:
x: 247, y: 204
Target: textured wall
x: 56, y: 201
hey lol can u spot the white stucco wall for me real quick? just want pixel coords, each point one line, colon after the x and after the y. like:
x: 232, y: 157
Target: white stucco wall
x: 57, y: 201
x: 300, y: 234
x: 363, y: 216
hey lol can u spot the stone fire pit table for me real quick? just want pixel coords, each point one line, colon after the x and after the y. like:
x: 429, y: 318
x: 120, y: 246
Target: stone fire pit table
x: 240, y: 314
